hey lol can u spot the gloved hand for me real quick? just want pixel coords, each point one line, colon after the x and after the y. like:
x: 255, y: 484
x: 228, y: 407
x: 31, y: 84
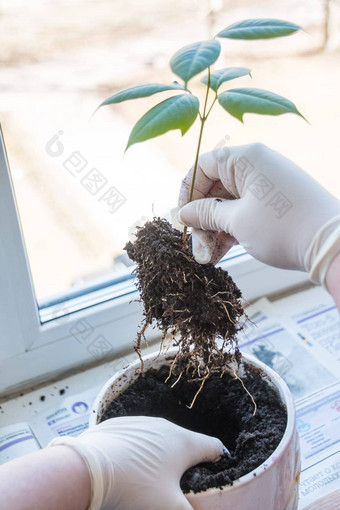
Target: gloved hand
x: 266, y: 203
x: 136, y: 462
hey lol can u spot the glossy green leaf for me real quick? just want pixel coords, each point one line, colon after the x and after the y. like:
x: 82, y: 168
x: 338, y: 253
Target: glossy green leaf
x: 223, y: 75
x: 237, y: 102
x: 178, y: 112
x: 192, y: 59
x: 259, y: 29
x: 140, y: 91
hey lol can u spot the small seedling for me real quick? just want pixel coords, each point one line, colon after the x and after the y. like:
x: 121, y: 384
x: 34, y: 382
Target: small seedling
x: 181, y: 110
x: 194, y: 303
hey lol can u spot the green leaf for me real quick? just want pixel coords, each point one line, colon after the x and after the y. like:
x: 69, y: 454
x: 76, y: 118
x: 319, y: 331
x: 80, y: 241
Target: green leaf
x: 178, y: 112
x: 140, y: 91
x: 222, y: 75
x: 259, y: 29
x: 192, y: 59
x: 237, y: 102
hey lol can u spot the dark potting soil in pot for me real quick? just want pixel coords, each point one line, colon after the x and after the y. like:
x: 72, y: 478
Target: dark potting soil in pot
x: 223, y: 409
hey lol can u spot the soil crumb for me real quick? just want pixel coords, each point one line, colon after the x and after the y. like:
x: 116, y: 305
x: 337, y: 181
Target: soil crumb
x: 223, y: 409
x: 195, y: 304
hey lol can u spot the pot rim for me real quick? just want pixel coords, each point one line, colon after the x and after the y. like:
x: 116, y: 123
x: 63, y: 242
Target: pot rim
x: 273, y: 379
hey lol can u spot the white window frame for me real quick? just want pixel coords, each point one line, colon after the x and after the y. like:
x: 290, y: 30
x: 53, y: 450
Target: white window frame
x: 39, y: 343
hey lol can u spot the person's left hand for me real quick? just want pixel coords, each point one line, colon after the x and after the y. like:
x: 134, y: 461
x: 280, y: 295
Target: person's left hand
x: 136, y: 462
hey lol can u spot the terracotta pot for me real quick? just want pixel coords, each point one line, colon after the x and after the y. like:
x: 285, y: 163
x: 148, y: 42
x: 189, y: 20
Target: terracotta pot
x: 271, y: 486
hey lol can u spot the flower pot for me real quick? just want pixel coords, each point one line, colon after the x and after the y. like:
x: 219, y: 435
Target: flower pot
x: 271, y: 486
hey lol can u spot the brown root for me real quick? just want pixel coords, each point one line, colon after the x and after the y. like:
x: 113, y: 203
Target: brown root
x: 198, y: 391
x: 246, y: 390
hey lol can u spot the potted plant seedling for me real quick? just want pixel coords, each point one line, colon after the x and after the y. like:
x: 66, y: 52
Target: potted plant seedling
x: 205, y: 383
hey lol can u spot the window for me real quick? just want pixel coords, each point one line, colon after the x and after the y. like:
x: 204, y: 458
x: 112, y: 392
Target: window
x: 65, y: 283
x: 87, y: 325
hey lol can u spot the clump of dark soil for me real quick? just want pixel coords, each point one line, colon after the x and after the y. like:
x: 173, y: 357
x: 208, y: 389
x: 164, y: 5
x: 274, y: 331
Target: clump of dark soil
x: 195, y: 304
x: 223, y: 409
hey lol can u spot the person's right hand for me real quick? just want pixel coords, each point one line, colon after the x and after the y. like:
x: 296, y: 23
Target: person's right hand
x: 256, y: 197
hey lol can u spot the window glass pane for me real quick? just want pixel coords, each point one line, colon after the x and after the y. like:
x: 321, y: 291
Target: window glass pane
x: 79, y: 196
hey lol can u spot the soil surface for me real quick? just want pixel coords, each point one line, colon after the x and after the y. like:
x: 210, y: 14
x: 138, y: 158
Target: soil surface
x: 194, y: 303
x: 223, y: 409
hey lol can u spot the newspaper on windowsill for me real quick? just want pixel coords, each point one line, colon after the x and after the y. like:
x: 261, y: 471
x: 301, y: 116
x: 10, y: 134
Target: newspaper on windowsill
x: 299, y: 337
x: 70, y: 418
x: 17, y: 440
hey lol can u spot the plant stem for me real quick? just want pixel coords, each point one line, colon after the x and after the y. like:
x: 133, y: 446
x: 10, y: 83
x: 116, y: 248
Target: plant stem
x: 212, y: 104
x: 203, y: 118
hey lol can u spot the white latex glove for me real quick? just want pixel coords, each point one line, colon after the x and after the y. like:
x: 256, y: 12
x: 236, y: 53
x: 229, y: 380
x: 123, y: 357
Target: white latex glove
x: 266, y: 203
x: 136, y: 462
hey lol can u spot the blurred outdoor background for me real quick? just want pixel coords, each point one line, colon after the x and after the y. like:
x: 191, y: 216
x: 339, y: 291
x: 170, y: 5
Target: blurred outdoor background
x: 78, y: 195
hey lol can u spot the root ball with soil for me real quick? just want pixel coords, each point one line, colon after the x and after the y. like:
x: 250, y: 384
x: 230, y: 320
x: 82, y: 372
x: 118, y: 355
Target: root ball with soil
x: 197, y: 305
